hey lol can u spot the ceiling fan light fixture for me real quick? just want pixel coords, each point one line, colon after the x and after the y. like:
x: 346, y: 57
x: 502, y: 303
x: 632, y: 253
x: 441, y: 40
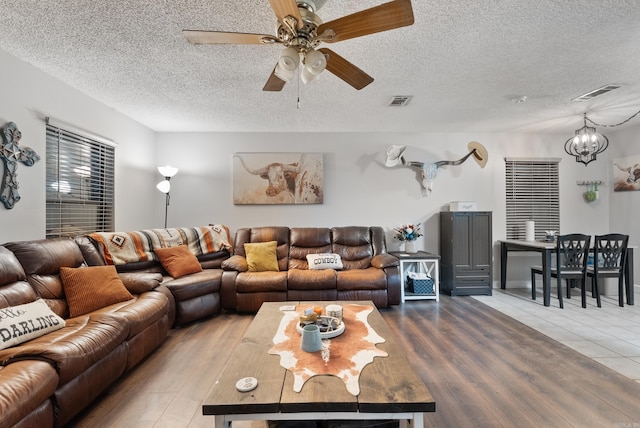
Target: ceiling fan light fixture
x: 307, y: 76
x: 282, y: 74
x: 289, y: 59
x: 315, y: 62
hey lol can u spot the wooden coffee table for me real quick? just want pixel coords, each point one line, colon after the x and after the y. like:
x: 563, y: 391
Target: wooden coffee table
x: 390, y: 388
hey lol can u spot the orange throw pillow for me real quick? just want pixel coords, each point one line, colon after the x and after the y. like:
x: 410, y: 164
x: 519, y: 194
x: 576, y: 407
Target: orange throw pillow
x: 178, y: 261
x: 91, y: 288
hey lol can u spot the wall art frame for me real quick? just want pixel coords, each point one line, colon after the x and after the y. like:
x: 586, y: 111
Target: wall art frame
x: 286, y: 178
x: 626, y: 173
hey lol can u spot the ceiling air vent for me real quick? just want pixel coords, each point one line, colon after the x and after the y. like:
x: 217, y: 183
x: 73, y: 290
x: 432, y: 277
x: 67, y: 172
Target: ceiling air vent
x: 400, y: 100
x: 595, y: 93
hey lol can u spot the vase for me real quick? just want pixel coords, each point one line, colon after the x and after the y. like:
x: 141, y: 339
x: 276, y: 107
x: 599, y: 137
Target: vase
x: 311, y: 340
x: 410, y: 246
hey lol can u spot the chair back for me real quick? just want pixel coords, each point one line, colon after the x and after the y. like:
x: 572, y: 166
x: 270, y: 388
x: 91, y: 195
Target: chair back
x: 572, y: 252
x: 610, y: 251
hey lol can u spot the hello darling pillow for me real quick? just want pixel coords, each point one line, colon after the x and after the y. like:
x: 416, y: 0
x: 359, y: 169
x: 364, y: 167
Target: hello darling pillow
x: 324, y: 261
x: 22, y: 323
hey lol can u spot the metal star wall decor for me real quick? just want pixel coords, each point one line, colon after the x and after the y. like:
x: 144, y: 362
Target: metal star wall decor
x: 11, y: 154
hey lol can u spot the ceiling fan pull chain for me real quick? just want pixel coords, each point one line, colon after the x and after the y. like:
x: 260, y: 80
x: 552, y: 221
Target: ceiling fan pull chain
x: 298, y: 88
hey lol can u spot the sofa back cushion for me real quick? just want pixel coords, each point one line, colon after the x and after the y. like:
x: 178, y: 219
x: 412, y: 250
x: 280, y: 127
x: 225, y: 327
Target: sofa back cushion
x: 42, y: 260
x: 14, y: 288
x: 354, y: 245
x: 307, y: 240
x: 280, y: 234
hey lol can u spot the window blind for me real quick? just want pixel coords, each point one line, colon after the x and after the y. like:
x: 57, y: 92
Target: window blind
x: 532, y: 193
x: 80, y: 184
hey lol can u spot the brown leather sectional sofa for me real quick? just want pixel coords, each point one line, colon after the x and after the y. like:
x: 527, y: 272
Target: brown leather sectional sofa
x: 48, y: 380
x: 369, y: 273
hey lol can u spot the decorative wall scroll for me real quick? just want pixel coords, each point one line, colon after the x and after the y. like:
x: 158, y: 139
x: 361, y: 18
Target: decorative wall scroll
x: 278, y: 178
x: 626, y: 173
x: 11, y: 154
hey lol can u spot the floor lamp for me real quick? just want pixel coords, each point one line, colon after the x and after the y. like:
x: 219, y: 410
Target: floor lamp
x: 164, y: 186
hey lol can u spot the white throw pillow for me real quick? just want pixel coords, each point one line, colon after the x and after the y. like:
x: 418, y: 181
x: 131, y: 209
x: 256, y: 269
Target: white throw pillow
x: 22, y: 323
x: 324, y: 261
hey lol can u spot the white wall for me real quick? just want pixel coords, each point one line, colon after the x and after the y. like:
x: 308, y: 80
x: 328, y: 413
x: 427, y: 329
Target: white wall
x: 27, y: 96
x: 359, y: 190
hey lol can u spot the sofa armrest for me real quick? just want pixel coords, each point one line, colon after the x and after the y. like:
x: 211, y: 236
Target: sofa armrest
x: 235, y: 262
x: 382, y: 261
x: 140, y: 282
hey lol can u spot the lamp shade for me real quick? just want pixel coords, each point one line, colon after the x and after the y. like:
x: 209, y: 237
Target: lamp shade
x: 315, y: 62
x: 284, y: 75
x: 306, y: 76
x: 164, y: 186
x: 289, y: 59
x: 167, y: 170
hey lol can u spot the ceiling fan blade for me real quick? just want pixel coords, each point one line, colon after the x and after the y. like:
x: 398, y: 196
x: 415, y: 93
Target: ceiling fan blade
x: 284, y: 8
x: 346, y: 70
x: 274, y: 84
x: 222, y: 37
x: 387, y: 16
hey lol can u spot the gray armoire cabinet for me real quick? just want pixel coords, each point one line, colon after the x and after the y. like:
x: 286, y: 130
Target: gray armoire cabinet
x: 466, y: 252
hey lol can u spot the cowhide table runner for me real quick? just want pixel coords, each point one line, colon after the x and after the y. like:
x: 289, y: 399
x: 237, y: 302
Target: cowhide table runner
x: 344, y: 356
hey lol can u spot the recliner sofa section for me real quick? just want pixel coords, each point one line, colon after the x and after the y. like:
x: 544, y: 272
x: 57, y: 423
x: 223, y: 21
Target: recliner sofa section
x: 368, y: 273
x: 46, y: 381
x: 85, y: 356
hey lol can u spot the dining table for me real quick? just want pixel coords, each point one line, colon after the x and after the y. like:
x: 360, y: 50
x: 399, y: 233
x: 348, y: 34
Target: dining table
x: 546, y: 249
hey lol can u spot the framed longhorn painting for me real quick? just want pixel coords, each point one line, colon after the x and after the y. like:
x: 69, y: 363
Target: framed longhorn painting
x: 626, y: 173
x: 278, y: 178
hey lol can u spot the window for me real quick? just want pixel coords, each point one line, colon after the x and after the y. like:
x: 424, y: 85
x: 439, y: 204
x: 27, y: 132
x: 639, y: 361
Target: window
x: 532, y: 193
x: 80, y: 180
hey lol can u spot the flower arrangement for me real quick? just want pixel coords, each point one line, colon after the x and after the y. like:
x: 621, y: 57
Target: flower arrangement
x: 407, y: 232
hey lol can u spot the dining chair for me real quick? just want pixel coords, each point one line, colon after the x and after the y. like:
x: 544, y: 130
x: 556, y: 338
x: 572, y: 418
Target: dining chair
x: 572, y: 252
x: 609, y: 259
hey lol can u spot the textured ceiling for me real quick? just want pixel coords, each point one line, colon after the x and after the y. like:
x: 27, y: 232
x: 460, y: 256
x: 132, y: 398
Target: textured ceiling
x: 464, y: 61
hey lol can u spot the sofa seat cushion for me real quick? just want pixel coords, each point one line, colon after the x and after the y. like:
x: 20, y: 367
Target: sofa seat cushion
x: 195, y: 284
x: 141, y: 312
x: 25, y: 386
x: 250, y: 282
x: 361, y: 279
x: 80, y: 344
x: 302, y: 279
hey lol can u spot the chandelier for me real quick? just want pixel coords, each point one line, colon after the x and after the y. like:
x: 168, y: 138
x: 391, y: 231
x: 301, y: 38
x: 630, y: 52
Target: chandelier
x: 587, y: 144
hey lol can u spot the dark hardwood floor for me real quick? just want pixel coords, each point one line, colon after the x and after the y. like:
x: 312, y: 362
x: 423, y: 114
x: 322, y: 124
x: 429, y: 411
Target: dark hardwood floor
x: 483, y: 368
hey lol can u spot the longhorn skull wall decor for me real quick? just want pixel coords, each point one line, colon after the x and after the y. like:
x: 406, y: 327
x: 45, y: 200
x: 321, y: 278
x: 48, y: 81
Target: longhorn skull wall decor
x: 11, y: 154
x: 428, y: 171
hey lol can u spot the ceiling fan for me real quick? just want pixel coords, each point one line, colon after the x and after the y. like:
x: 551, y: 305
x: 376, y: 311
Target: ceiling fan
x: 300, y: 31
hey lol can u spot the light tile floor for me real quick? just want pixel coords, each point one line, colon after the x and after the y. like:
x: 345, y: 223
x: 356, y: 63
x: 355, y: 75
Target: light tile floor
x: 609, y: 335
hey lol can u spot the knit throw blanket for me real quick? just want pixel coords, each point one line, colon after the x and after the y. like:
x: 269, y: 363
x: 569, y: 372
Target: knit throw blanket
x: 128, y: 247
x: 344, y: 356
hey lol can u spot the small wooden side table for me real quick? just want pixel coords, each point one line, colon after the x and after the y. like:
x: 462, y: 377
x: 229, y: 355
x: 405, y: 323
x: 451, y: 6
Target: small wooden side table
x: 419, y: 262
